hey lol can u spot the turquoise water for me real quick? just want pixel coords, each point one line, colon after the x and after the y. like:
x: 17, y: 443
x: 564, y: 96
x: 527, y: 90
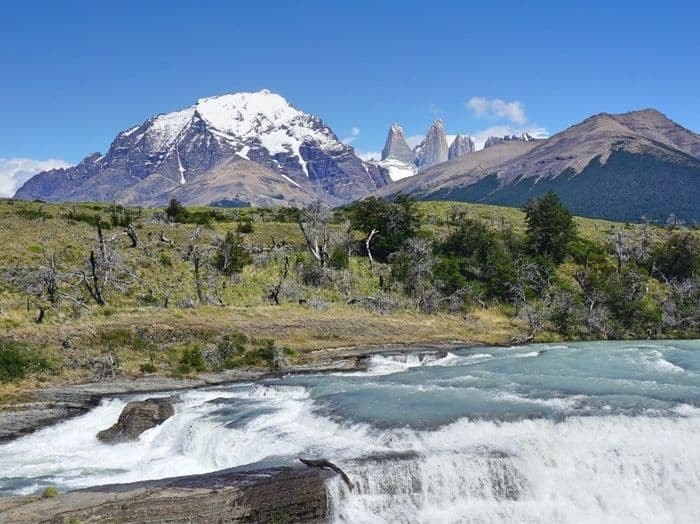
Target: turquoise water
x: 580, y: 432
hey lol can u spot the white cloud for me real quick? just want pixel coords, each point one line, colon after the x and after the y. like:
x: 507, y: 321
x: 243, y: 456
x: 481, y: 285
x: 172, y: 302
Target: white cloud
x: 15, y: 171
x: 354, y: 133
x: 369, y: 156
x: 414, y: 140
x: 497, y: 109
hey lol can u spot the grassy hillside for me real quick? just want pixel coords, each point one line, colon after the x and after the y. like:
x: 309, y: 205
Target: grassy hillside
x: 154, y: 316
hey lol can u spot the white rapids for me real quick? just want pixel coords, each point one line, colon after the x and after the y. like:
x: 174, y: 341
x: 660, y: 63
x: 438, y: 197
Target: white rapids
x: 590, y: 432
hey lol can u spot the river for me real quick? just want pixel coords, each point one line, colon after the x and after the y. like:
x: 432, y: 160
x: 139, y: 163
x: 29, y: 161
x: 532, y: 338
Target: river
x: 576, y: 432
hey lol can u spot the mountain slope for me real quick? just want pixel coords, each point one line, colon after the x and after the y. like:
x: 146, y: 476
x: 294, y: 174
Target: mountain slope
x: 618, y: 167
x: 170, y: 152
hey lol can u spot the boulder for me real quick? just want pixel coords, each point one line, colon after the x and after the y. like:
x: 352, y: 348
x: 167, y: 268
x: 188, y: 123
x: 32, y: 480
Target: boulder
x: 137, y: 417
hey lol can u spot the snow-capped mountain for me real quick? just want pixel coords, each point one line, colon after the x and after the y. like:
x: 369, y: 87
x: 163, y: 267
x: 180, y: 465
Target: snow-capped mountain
x: 400, y: 161
x: 298, y: 159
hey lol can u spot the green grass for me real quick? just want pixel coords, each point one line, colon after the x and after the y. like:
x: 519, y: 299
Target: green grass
x: 145, y: 337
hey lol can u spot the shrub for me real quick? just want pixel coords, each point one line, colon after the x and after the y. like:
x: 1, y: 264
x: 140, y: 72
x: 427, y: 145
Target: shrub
x: 148, y: 367
x: 339, y: 258
x: 231, y: 255
x: 49, y: 493
x: 18, y: 360
x: 679, y: 256
x: 397, y: 222
x: 32, y: 213
x: 245, y: 225
x: 176, y: 212
x: 191, y: 360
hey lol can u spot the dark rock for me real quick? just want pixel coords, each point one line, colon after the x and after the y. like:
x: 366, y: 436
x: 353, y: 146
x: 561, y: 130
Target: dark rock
x: 461, y: 146
x: 137, y: 417
x: 282, y: 494
x: 396, y: 146
x: 435, y: 149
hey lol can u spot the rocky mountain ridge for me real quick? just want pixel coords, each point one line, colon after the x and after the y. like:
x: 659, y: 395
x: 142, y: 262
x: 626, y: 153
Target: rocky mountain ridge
x: 294, y: 156
x: 616, y: 166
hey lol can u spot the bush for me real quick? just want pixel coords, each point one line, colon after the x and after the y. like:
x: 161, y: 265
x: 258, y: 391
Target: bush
x: 148, y: 367
x: 679, y: 256
x: 18, y: 360
x: 176, y: 212
x: 238, y: 350
x: 49, y: 493
x: 396, y: 222
x: 231, y: 255
x: 32, y: 213
x: 339, y: 258
x: 245, y: 225
x: 191, y: 360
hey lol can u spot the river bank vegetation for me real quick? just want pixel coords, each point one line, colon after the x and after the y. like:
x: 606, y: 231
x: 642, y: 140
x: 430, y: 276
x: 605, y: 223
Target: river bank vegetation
x: 92, y: 290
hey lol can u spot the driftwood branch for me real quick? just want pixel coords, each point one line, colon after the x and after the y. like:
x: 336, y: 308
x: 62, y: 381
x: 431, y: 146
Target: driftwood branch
x: 326, y: 464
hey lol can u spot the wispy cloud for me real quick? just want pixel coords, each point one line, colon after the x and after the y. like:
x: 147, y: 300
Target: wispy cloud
x: 354, y: 133
x: 497, y: 109
x: 15, y: 171
x: 414, y: 140
x: 369, y: 156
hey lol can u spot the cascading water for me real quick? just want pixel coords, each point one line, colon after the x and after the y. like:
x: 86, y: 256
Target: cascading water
x: 589, y: 432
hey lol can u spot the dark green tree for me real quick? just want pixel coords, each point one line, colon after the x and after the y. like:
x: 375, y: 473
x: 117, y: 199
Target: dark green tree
x: 474, y: 253
x: 550, y: 227
x: 231, y: 255
x: 176, y: 212
x: 394, y: 222
x: 679, y: 256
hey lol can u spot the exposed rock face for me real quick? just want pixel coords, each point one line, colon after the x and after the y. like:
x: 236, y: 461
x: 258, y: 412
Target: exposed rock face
x: 396, y: 146
x: 280, y: 494
x: 461, y: 146
x: 507, y: 138
x: 158, y: 158
x: 137, y: 417
x: 637, y: 164
x: 435, y: 148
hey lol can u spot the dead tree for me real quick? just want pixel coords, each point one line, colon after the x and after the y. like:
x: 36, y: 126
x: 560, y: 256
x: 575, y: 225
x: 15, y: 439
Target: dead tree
x: 94, y: 283
x: 367, y: 246
x: 131, y: 233
x: 49, y: 277
x: 314, y: 223
x: 531, y: 279
x: 277, y: 288
x: 196, y: 256
x: 164, y: 239
x: 104, y: 268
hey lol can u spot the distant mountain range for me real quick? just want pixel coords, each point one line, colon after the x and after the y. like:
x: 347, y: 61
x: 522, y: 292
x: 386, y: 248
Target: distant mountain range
x: 621, y: 167
x: 247, y: 147
x: 258, y: 149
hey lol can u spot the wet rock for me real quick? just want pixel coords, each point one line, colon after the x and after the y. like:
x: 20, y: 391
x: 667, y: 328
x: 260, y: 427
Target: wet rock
x: 282, y: 494
x: 137, y: 417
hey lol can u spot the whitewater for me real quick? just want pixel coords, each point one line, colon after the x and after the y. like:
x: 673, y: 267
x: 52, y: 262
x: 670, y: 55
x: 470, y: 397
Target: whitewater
x: 577, y: 432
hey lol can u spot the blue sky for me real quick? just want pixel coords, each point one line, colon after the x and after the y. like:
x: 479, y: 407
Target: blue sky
x: 76, y: 73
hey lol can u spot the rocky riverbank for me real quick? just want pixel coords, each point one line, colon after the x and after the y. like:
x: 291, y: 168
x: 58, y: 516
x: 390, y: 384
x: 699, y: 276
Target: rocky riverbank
x: 282, y: 494
x: 47, y: 406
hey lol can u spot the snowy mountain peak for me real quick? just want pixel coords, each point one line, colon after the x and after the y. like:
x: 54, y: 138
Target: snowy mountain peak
x: 178, y: 150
